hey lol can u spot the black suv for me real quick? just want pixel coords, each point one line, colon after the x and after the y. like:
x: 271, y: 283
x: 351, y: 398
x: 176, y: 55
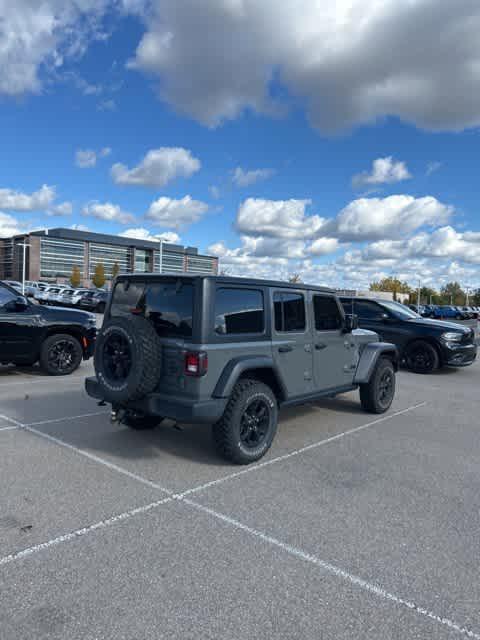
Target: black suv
x: 424, y: 345
x: 231, y: 351
x: 58, y: 338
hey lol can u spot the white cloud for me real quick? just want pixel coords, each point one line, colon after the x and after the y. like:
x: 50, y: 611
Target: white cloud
x: 158, y: 168
x: 175, y: 214
x: 214, y: 192
x: 63, y: 209
x: 349, y: 61
x: 9, y: 226
x: 323, y: 246
x: 107, y: 105
x: 40, y: 36
x: 242, y: 178
x: 140, y: 233
x: 391, y: 217
x: 85, y: 158
x: 432, y: 167
x: 107, y: 211
x: 79, y: 227
x: 384, y: 171
x: 40, y: 200
x: 277, y: 218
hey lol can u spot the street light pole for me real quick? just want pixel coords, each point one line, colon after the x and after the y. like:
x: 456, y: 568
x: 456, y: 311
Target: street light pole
x: 160, y: 269
x: 24, y: 264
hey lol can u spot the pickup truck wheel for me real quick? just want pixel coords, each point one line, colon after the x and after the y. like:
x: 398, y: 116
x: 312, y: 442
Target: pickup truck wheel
x: 422, y: 357
x: 60, y: 354
x: 246, y: 430
x: 376, y: 396
x: 140, y: 422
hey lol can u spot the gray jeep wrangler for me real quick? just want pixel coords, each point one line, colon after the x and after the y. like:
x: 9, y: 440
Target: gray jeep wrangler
x: 232, y: 352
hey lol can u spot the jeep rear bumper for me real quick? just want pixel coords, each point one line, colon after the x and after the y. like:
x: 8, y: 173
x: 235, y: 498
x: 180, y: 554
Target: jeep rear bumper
x: 167, y: 406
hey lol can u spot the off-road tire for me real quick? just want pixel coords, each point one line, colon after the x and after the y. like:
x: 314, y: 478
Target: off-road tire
x: 139, y: 422
x: 227, y: 431
x: 371, y: 394
x: 54, y: 341
x: 145, y: 353
x: 422, y: 357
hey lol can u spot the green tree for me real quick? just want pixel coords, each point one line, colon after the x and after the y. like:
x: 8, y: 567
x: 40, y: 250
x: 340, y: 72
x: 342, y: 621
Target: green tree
x: 394, y: 285
x: 115, y: 270
x: 99, y: 276
x: 476, y: 298
x: 452, y: 293
x: 76, y: 277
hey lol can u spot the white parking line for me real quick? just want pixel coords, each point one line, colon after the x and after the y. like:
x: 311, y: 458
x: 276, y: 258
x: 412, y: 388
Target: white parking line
x: 334, y: 570
x: 315, y: 445
x: 8, y: 428
x: 82, y: 532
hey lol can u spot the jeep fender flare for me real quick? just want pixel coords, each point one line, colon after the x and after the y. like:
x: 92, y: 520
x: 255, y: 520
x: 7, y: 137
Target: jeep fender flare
x: 234, y: 369
x: 369, y: 358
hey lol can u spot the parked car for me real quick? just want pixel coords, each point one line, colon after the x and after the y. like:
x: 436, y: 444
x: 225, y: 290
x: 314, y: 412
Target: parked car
x: 264, y: 345
x: 42, y: 293
x: 424, y: 344
x: 57, y: 338
x: 428, y: 311
x: 71, y: 297
x: 94, y: 301
x: 472, y: 312
x: 53, y: 293
x: 29, y: 291
x: 446, y: 311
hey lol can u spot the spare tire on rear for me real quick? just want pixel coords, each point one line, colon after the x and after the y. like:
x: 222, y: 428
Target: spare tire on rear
x: 127, y: 359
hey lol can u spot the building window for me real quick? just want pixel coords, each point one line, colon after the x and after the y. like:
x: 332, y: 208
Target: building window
x: 58, y: 257
x: 239, y: 311
x: 109, y: 255
x: 142, y: 261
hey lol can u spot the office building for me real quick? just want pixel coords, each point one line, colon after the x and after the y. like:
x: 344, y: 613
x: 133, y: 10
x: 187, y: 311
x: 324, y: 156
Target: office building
x: 51, y: 255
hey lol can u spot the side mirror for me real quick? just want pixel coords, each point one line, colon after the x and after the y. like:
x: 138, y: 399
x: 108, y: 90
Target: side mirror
x: 19, y: 304
x: 351, y: 323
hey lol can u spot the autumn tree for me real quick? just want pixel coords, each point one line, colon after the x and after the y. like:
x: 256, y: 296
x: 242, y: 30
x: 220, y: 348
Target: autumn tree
x: 393, y: 285
x: 99, y: 276
x: 76, y: 277
x: 452, y: 293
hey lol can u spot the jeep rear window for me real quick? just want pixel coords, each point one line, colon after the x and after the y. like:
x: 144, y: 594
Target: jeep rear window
x: 168, y: 305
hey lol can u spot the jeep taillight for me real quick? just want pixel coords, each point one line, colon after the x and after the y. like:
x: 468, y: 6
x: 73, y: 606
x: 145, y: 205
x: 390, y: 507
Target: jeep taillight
x: 196, y: 363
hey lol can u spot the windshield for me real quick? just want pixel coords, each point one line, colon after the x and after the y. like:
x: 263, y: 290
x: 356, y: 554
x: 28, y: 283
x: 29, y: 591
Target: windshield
x: 400, y: 310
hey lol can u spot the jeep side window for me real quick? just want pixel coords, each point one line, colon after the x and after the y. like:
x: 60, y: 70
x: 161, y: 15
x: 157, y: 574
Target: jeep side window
x: 239, y: 310
x: 367, y: 310
x: 289, y: 311
x: 347, y: 306
x: 327, y: 314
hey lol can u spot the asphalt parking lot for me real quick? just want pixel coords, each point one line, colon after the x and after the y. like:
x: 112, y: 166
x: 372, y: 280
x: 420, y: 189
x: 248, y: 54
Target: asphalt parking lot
x: 353, y: 526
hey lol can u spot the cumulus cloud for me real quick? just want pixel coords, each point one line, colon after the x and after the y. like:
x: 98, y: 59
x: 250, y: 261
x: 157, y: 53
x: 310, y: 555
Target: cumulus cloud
x: 175, y: 214
x: 140, y: 233
x: 9, y: 226
x: 63, y: 209
x: 277, y: 218
x: 243, y: 178
x: 391, y: 217
x: 158, y: 168
x: 107, y: 211
x: 40, y: 36
x: 87, y: 158
x: 349, y: 61
x: 40, y: 200
x: 384, y: 171
x: 432, y: 167
x: 214, y: 192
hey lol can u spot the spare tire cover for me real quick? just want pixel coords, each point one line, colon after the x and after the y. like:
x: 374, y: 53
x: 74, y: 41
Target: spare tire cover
x: 127, y: 358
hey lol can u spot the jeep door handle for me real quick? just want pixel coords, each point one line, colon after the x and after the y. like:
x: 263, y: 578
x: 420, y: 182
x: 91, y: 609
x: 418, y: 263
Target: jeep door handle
x: 320, y: 345
x: 285, y: 349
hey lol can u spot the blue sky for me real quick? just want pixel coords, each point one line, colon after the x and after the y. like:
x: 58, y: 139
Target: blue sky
x: 322, y: 155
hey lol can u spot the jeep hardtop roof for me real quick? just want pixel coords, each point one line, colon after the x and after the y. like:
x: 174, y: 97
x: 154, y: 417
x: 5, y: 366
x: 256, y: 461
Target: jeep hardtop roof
x: 257, y: 282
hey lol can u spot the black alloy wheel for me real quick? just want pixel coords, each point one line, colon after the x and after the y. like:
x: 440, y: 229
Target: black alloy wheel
x: 422, y: 357
x: 255, y: 423
x: 61, y: 354
x: 386, y: 387
x: 117, y: 357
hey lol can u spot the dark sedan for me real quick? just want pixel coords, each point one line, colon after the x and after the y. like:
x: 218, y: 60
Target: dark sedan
x: 94, y: 301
